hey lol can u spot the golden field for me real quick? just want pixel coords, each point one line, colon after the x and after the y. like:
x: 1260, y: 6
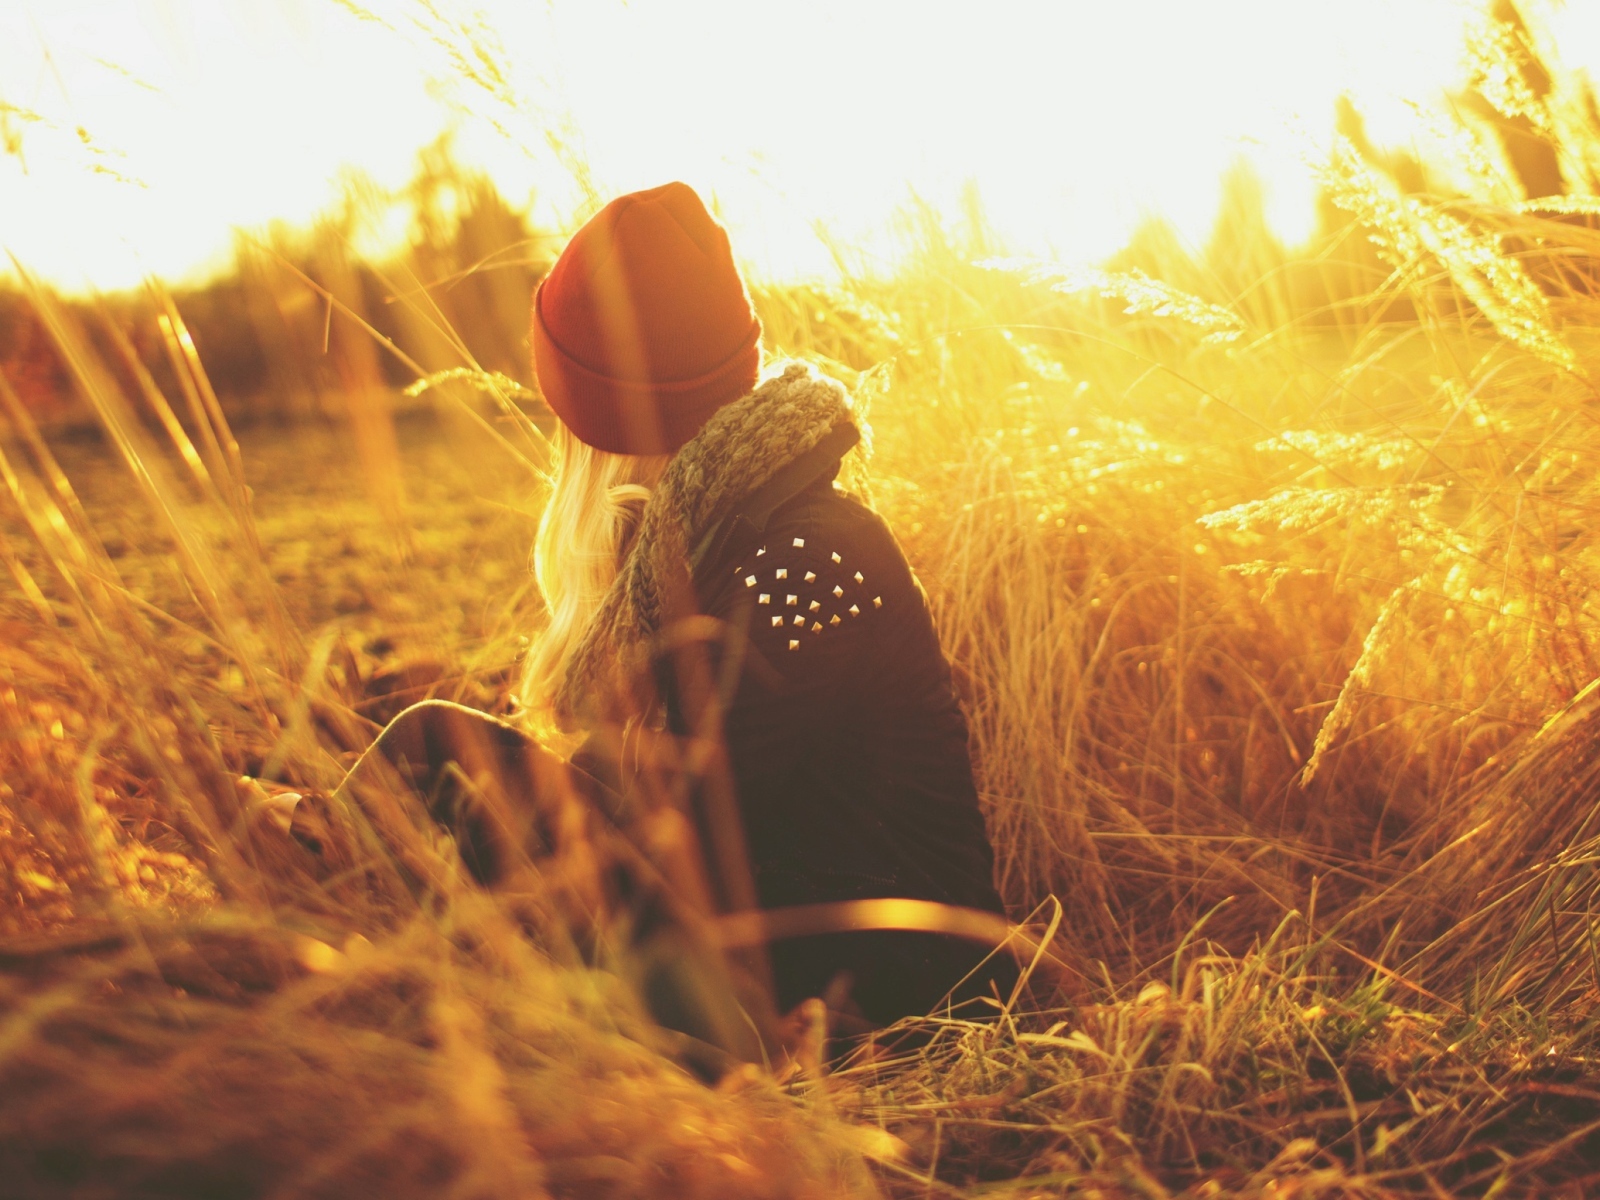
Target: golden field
x: 1268, y: 579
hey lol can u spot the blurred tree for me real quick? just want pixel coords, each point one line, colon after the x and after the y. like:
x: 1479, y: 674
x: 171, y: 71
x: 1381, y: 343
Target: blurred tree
x: 29, y: 361
x: 1244, y: 257
x: 471, y: 265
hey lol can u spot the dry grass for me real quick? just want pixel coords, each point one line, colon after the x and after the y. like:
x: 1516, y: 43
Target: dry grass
x: 1275, y: 634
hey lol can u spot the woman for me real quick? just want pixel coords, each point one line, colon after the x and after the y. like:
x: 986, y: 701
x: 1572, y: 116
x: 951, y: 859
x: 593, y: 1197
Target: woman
x: 738, y: 640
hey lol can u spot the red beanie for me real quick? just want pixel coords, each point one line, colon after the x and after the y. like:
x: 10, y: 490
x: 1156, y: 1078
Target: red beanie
x: 643, y: 327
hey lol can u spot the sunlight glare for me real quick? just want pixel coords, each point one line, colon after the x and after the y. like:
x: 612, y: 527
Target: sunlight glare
x: 1074, y: 120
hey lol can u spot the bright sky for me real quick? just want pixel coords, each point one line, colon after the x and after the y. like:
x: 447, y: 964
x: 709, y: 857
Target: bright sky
x: 1076, y: 118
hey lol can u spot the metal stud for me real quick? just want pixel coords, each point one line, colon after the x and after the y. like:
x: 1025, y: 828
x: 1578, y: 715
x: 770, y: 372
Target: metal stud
x: 816, y: 627
x: 835, y: 619
x: 791, y: 599
x: 783, y: 572
x: 799, y: 542
x: 749, y: 581
x: 793, y: 645
x: 764, y: 598
x: 860, y: 578
x: 854, y: 611
x: 837, y: 590
x: 761, y: 551
x: 877, y: 602
x: 811, y: 576
x: 777, y: 620
x: 816, y: 604
x: 835, y: 557
x: 799, y: 620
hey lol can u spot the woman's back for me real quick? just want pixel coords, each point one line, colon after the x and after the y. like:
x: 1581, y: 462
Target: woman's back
x: 847, y: 748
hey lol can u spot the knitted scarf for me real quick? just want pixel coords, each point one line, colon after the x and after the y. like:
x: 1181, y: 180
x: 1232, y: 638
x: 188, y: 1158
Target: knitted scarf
x: 737, y: 451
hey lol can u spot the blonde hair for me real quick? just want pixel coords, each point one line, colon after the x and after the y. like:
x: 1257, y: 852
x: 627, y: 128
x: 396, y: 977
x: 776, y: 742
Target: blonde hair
x: 596, y: 500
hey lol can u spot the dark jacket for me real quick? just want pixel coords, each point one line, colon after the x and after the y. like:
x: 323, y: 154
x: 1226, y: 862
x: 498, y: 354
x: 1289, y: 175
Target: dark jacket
x: 847, y: 749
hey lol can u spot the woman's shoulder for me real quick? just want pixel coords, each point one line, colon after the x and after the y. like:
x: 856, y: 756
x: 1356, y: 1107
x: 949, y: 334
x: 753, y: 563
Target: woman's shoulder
x: 834, y: 535
x: 832, y: 521
x: 824, y: 573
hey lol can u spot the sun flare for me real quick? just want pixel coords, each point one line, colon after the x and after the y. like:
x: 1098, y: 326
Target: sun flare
x: 140, y: 134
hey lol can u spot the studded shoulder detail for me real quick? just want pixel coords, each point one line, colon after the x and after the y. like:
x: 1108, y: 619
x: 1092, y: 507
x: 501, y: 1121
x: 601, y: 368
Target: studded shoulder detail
x: 802, y: 593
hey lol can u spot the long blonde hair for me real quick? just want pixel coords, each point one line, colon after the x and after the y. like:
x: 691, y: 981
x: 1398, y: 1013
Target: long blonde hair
x: 596, y: 500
